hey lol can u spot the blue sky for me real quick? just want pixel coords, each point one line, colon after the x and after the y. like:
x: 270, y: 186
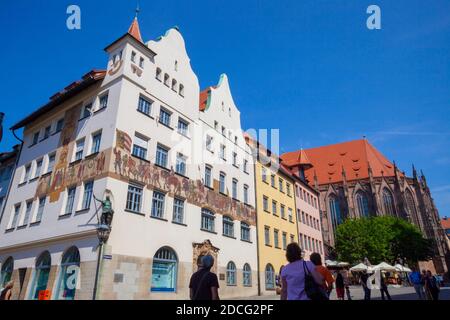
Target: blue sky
x: 310, y: 67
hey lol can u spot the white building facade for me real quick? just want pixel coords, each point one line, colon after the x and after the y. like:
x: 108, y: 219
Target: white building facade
x: 137, y: 134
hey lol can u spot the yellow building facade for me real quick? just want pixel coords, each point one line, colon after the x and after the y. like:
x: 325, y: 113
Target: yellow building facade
x: 276, y: 218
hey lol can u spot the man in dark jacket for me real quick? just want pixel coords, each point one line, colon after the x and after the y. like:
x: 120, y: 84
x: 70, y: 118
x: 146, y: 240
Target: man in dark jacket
x: 204, y: 284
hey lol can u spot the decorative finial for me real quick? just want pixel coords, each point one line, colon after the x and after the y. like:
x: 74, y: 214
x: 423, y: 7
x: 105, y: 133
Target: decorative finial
x: 137, y: 8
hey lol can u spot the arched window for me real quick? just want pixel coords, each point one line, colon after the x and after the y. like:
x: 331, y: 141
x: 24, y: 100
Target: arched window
x: 247, y: 275
x: 228, y: 226
x: 335, y: 212
x: 164, y: 270
x: 207, y: 220
x: 270, y: 277
x: 245, y: 231
x: 411, y: 207
x: 388, y: 202
x: 41, y: 273
x: 174, y: 85
x: 231, y: 274
x: 7, y: 270
x: 363, y: 204
x: 68, y: 276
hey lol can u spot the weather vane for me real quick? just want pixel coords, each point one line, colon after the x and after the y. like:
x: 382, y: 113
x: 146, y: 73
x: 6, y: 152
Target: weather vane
x: 137, y: 8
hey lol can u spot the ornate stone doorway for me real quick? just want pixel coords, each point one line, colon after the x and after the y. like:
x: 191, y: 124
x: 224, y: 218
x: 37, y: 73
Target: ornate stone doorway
x: 202, y: 249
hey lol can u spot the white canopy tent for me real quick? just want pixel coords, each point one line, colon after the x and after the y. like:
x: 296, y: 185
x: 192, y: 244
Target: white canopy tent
x: 359, y: 267
x: 384, y: 267
x: 401, y: 268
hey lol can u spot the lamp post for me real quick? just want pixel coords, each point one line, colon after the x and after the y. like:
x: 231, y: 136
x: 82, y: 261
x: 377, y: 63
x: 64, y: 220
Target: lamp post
x: 103, y: 231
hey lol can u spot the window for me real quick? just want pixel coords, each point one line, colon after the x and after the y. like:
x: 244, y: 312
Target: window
x: 103, y: 102
x: 161, y: 156
x: 158, y: 204
x: 183, y: 127
x: 274, y: 207
x: 302, y: 245
x: 207, y: 220
x: 134, y: 198
x: 231, y: 274
x: 164, y: 270
x: 222, y: 152
x: 290, y: 214
x: 166, y: 79
x: 47, y: 132
x: 208, y: 176
x: 158, y: 74
x: 223, y: 131
x: 245, y: 194
x: 40, y: 211
x: 410, y: 205
x: 267, y: 236
x: 141, y: 63
x: 276, y: 238
x: 284, y: 240
x: 247, y: 275
x: 174, y: 85
x: 79, y: 150
x: 133, y: 56
x: 70, y: 200
x: 216, y: 124
x: 87, y: 109
x: 178, y: 210
x: 245, y: 231
x: 280, y: 183
x: 164, y: 117
x: 7, y: 271
x: 38, y: 168
x: 283, y: 211
x: 228, y: 227
x: 264, y: 174
x: 69, y: 270
x: 245, y: 166
x: 180, y: 166
x: 96, y: 139
x: 145, y: 105
x: 288, y: 189
x: 35, y: 138
x: 88, y: 189
x: 272, y: 180
x: 1, y: 203
x: 303, y: 217
x: 59, y: 125
x: 41, y: 274
x: 222, y: 182
x: 362, y: 204
x: 209, y: 141
x: 388, y: 202
x: 235, y: 159
x: 234, y: 187
x: 181, y: 90
x: 27, y: 173
x: 15, y: 218
x: 140, y: 146
x: 26, y: 218
x: 292, y: 238
x: 335, y: 212
x: 270, y: 277
x: 51, y: 162
x: 265, y: 203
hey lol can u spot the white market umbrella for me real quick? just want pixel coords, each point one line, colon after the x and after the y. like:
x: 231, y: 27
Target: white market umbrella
x: 330, y: 263
x: 401, y: 268
x: 343, y: 264
x: 359, y: 267
x: 385, y: 267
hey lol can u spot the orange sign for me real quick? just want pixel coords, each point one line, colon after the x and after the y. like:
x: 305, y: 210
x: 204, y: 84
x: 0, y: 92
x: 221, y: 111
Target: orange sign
x: 44, y: 295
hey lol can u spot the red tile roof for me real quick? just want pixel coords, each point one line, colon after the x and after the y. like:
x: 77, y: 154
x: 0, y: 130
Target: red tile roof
x: 445, y: 223
x: 352, y: 156
x: 134, y: 30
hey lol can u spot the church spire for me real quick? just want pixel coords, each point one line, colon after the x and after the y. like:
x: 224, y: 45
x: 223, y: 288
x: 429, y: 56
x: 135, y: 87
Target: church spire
x: 134, y: 28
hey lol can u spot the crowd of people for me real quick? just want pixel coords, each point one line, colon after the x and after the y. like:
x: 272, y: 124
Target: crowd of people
x: 426, y: 285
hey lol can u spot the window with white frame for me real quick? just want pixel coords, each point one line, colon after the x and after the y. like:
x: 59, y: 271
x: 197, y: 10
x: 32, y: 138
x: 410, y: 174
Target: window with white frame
x: 47, y: 132
x: 166, y: 79
x: 207, y: 220
x: 87, y: 110
x: 265, y: 203
x: 51, y: 162
x: 208, y: 175
x: 59, y: 125
x: 280, y: 182
x: 183, y: 127
x: 284, y: 240
x: 103, y: 101
x: 16, y: 214
x: 181, y: 90
x: 27, y: 215
x: 283, y: 211
x: 87, y: 195
x: 267, y: 235
x: 222, y: 152
x: 235, y: 159
x: 35, y: 138
x: 140, y: 146
x: 222, y: 178
x: 245, y: 231
x: 26, y: 175
x: 164, y: 117
x: 40, y: 211
x: 174, y: 85
x: 141, y: 63
x: 245, y: 194
x: 274, y: 207
x: 145, y: 105
x: 134, y: 198
x: 133, y: 56
x: 79, y: 150
x: 264, y: 174
x: 158, y: 204
x: 180, y: 166
x: 290, y: 214
x: 245, y: 166
x: 178, y: 210
x: 276, y: 240
x: 70, y: 200
x: 209, y: 143
x: 234, y: 189
x: 247, y: 275
x: 96, y: 140
x: 231, y: 274
x: 38, y: 170
x: 161, y: 156
x: 228, y: 226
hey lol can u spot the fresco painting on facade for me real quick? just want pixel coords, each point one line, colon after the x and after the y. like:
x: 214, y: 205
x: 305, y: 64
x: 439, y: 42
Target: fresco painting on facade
x: 202, y: 249
x: 155, y: 177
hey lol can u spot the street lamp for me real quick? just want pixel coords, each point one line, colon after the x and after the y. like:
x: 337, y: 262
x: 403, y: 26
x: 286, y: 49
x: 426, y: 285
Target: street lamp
x: 103, y: 231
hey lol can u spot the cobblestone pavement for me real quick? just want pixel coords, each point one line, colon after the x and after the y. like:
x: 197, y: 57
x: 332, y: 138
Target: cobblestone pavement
x: 402, y: 293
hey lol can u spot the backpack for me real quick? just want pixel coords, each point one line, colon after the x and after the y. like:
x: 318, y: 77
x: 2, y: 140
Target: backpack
x: 313, y: 290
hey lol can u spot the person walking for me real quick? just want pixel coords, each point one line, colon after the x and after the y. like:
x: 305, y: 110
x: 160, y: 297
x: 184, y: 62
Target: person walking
x: 204, y: 284
x: 363, y: 279
x: 383, y: 287
x: 431, y: 286
x: 340, y: 286
x: 416, y: 279
x: 7, y: 291
x: 295, y: 276
x: 424, y: 283
x: 346, y: 284
x: 326, y: 274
